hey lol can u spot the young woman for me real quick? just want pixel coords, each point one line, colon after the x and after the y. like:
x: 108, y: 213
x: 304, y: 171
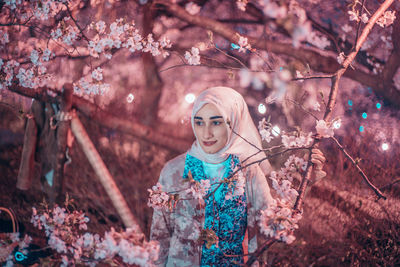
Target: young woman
x: 220, y: 228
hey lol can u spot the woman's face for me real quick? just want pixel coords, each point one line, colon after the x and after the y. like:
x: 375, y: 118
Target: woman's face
x: 210, y: 129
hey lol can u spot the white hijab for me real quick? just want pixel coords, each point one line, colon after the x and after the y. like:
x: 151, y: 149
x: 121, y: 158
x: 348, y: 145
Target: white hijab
x: 235, y: 111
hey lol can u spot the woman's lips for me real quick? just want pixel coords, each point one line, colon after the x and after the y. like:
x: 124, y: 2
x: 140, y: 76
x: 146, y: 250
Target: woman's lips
x: 210, y: 143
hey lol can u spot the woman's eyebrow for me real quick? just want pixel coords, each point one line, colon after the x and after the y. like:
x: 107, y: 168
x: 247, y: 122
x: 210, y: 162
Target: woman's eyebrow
x: 215, y: 117
x: 198, y: 118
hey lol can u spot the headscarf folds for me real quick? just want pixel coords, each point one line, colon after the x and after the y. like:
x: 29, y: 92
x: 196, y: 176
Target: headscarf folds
x: 243, y: 137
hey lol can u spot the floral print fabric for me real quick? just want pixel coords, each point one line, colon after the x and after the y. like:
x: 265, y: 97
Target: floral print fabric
x: 227, y: 218
x: 178, y: 230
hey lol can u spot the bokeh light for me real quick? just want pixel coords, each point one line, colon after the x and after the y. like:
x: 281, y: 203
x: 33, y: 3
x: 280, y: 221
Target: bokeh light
x: 350, y: 102
x: 337, y: 124
x: 361, y: 128
x: 130, y: 98
x: 378, y: 105
x: 190, y: 98
x: 385, y: 146
x: 262, y: 108
x: 364, y: 115
x: 275, y: 130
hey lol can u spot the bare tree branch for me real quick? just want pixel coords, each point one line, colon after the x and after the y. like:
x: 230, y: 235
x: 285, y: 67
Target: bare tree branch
x: 362, y: 173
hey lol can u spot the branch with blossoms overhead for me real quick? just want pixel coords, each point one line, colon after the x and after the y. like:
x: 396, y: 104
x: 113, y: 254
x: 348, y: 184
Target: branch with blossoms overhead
x: 302, y: 33
x: 98, y: 41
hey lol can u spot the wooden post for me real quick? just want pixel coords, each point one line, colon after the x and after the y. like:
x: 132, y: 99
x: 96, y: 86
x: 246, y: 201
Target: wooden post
x: 104, y: 175
x: 62, y: 135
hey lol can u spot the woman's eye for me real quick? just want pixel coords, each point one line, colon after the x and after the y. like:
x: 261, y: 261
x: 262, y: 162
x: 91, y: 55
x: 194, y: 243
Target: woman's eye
x: 199, y: 123
x: 217, y: 122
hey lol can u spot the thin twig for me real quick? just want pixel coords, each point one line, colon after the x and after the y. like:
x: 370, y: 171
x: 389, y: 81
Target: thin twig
x: 76, y: 23
x: 359, y: 25
x: 302, y: 107
x: 364, y: 176
x: 328, y: 76
x: 253, y: 145
x: 390, y: 185
x: 232, y: 57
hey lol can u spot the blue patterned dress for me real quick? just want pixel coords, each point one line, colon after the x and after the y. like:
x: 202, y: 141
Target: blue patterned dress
x: 227, y: 218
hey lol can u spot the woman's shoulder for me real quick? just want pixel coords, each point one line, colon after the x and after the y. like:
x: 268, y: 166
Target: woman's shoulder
x: 173, y: 169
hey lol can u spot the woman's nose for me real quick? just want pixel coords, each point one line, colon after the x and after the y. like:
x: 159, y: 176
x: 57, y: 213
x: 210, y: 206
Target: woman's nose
x: 208, y: 132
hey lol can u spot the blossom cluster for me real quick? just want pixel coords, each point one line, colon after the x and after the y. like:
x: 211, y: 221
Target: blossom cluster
x: 158, y: 198
x: 264, y: 128
x: 41, y: 10
x: 64, y: 230
x: 125, y: 35
x: 237, y: 185
x: 32, y: 76
x: 326, y: 129
x: 354, y: 16
x: 301, y: 139
x: 386, y: 19
x: 198, y: 190
x: 278, y: 220
x: 89, y: 87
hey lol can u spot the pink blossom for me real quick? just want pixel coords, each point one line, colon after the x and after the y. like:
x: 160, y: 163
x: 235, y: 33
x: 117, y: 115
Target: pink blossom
x: 100, y: 26
x: 243, y: 43
x: 97, y: 74
x: 324, y: 129
x: 289, y: 141
x: 341, y: 58
x: 316, y: 106
x: 192, y: 8
x: 346, y: 28
x: 266, y: 135
x: 157, y: 199
x: 386, y: 19
x: 198, y: 190
x: 364, y: 18
x: 241, y: 4
x: 59, y: 215
x: 353, y: 15
x: 193, y: 57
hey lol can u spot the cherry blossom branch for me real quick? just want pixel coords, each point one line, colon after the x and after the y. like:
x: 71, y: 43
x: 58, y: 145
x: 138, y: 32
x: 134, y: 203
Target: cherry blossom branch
x: 360, y: 171
x: 315, y: 60
x: 76, y: 23
x: 256, y: 162
x: 333, y: 93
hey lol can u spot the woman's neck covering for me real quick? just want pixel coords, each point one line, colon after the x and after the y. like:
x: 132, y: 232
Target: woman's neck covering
x: 235, y: 112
